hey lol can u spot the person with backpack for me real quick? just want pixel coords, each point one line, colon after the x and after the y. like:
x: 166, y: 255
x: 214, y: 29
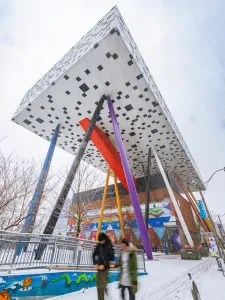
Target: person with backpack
x: 102, y: 256
x: 128, y: 273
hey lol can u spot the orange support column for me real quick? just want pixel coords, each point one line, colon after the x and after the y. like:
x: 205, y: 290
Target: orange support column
x: 192, y: 205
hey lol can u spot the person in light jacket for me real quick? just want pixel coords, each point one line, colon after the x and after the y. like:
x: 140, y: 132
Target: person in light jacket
x: 128, y: 274
x: 102, y: 256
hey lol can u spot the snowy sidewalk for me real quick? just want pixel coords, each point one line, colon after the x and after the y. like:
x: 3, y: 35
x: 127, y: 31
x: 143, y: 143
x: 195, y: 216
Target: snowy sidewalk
x: 167, y: 279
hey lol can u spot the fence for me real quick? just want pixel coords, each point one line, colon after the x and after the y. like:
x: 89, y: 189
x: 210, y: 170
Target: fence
x: 20, y: 251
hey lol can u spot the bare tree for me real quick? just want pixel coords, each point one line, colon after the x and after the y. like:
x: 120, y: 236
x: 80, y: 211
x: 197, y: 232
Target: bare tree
x: 84, y: 188
x: 18, y: 178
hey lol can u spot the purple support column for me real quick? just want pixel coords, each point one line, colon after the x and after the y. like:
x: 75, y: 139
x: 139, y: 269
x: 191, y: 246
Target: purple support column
x: 130, y: 183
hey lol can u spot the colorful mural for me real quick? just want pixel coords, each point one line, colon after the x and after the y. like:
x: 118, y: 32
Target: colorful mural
x: 49, y: 284
x: 211, y: 242
x: 160, y: 213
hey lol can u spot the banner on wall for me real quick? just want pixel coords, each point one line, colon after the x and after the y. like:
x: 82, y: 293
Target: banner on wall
x: 203, y: 213
x: 211, y: 242
x: 159, y: 231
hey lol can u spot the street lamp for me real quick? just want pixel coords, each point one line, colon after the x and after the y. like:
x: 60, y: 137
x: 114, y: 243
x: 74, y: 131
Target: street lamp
x: 223, y: 169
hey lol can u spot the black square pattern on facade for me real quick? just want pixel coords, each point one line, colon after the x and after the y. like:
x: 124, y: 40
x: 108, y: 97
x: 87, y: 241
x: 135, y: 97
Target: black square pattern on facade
x: 27, y: 122
x: 84, y: 88
x: 115, y: 56
x: 39, y: 120
x: 139, y: 76
x: 154, y: 103
x: 100, y: 67
x: 130, y: 63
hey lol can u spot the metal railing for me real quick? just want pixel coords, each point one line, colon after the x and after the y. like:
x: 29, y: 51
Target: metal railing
x: 20, y: 251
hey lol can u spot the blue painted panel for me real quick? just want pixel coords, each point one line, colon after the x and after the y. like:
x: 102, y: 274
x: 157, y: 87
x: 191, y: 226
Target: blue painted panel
x: 47, y: 284
x: 158, y: 222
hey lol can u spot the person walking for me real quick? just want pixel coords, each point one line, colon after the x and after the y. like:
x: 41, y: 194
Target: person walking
x: 102, y: 256
x: 128, y: 274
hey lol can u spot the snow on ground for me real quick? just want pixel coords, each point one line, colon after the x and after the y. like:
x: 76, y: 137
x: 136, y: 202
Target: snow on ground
x: 167, y: 279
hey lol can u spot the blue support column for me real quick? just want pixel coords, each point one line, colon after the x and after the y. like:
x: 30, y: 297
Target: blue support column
x: 35, y: 202
x: 50, y: 226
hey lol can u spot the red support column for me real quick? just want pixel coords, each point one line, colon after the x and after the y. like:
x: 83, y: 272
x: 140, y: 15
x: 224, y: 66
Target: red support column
x: 192, y: 204
x: 107, y: 150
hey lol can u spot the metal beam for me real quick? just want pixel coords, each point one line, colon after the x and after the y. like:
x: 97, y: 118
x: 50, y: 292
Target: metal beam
x: 108, y: 151
x: 192, y: 204
x: 103, y: 203
x: 173, y: 199
x: 147, y: 201
x: 130, y: 182
x: 120, y: 213
x: 28, y: 225
x: 70, y: 177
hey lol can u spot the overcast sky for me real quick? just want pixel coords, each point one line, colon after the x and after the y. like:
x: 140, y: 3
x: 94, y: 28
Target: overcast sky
x: 182, y: 42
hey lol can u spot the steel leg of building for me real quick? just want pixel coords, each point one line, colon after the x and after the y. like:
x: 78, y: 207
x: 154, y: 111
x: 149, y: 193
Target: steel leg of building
x: 35, y: 202
x: 208, y: 213
x: 108, y: 151
x: 130, y: 182
x: 147, y: 202
x: 29, y: 221
x: 192, y: 204
x: 120, y: 213
x: 206, y: 220
x: 103, y: 203
x: 70, y: 177
x: 173, y: 199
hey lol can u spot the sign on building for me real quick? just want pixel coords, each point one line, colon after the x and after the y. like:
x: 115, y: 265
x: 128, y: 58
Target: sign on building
x: 203, y: 213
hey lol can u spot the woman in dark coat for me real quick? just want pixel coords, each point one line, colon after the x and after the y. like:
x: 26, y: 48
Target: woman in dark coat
x: 102, y: 256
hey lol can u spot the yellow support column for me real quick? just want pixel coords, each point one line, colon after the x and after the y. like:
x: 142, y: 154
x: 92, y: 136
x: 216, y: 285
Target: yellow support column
x: 119, y: 206
x: 103, y: 203
x: 206, y: 220
x: 193, y: 197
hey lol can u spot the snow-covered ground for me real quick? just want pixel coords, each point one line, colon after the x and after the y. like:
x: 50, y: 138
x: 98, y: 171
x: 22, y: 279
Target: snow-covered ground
x: 167, y: 279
